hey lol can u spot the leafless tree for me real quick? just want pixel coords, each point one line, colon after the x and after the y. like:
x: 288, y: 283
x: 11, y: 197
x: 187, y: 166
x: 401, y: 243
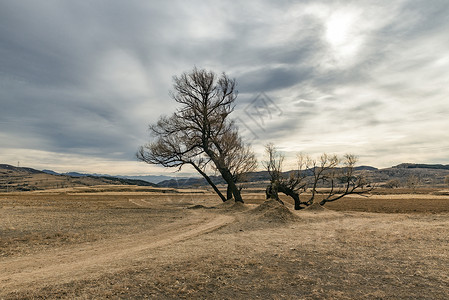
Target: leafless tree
x: 337, y: 174
x: 393, y: 183
x: 199, y: 132
x: 291, y: 184
x: 412, y: 181
x: 173, y: 150
x: 342, y: 180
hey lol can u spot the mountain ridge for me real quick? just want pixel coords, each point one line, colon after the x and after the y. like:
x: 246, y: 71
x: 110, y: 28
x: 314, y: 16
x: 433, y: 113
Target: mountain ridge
x: 422, y: 166
x: 28, y: 179
x: 19, y: 178
x: 149, y: 178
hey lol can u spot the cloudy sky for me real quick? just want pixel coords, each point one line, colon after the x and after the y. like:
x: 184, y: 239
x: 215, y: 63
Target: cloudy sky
x: 81, y: 80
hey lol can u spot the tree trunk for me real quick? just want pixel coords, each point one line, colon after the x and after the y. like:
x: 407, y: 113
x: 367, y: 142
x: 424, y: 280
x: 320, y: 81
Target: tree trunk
x: 291, y: 193
x: 227, y: 176
x: 271, y: 192
x: 210, y: 182
x: 235, y: 192
x: 228, y: 193
x: 225, y: 173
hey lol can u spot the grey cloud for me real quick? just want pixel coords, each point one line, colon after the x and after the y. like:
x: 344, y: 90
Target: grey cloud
x: 416, y: 18
x: 267, y: 79
x: 55, y: 55
x: 49, y: 55
x: 60, y: 42
x: 38, y: 47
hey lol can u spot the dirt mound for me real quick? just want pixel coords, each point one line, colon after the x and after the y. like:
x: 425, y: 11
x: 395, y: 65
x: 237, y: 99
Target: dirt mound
x: 315, y: 207
x: 272, y: 211
x: 198, y: 206
x: 231, y: 205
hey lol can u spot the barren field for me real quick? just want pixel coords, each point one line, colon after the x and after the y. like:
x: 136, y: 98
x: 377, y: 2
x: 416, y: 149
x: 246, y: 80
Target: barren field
x: 124, y: 244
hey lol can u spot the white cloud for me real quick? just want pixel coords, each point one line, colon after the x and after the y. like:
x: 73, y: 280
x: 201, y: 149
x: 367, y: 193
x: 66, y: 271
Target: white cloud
x: 119, y: 72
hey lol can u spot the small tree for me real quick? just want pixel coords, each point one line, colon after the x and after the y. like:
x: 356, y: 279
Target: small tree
x: 393, y: 183
x: 291, y: 184
x: 344, y: 180
x: 412, y: 181
x: 338, y: 174
x: 446, y: 179
x: 274, y: 167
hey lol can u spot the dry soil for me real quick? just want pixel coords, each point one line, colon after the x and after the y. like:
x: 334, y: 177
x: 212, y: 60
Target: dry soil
x: 123, y: 245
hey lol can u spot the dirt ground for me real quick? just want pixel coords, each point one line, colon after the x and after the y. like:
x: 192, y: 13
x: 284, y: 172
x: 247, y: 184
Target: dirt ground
x: 123, y: 245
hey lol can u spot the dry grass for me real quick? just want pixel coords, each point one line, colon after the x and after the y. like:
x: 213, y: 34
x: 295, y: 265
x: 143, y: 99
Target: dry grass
x: 150, y: 245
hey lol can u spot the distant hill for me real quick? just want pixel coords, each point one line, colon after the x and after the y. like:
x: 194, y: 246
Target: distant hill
x: 148, y: 178
x: 28, y: 179
x: 151, y: 178
x: 11, y: 169
x: 428, y: 175
x: 51, y: 172
x: 422, y: 166
x: 366, y: 168
x: 254, y: 177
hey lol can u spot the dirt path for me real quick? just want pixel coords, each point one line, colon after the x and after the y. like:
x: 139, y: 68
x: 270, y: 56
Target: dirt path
x: 141, y: 202
x: 64, y: 265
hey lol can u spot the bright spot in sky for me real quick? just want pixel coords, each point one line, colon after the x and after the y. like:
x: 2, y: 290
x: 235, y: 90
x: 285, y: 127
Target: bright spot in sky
x: 342, y: 34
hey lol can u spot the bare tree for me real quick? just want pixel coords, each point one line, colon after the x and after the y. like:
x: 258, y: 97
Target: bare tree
x: 337, y: 174
x: 199, y: 132
x: 274, y: 167
x: 292, y: 184
x: 412, y: 181
x: 393, y: 183
x: 173, y: 150
x: 344, y: 180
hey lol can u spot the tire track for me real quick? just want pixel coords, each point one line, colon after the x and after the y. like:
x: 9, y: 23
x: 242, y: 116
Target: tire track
x: 140, y: 202
x: 57, y: 267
